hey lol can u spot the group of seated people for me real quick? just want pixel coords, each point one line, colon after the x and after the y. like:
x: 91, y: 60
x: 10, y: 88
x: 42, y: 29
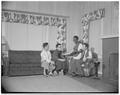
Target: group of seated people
x: 81, y: 62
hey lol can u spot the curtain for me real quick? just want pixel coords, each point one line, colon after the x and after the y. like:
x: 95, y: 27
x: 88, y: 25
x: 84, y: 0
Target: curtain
x: 29, y: 37
x: 37, y: 35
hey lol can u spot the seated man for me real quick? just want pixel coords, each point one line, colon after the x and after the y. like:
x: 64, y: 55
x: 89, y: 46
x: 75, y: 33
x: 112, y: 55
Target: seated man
x: 60, y: 61
x: 95, y: 61
x: 87, y: 59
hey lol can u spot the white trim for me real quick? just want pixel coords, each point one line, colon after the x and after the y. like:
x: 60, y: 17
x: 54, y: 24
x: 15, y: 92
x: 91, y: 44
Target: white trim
x: 102, y: 23
x: 109, y: 36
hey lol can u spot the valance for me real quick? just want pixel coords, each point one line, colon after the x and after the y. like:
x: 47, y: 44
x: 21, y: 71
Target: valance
x: 97, y: 14
x: 27, y: 18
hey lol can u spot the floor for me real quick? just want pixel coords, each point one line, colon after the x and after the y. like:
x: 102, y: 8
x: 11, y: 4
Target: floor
x: 40, y: 83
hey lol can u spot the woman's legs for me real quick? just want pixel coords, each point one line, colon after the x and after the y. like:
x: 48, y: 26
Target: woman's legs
x: 88, y: 67
x: 79, y: 69
x: 72, y: 69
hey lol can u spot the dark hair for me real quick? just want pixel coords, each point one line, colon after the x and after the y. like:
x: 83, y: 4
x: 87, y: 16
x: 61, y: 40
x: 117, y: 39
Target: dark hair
x: 86, y: 45
x: 45, y: 44
x: 76, y: 37
x: 57, y: 45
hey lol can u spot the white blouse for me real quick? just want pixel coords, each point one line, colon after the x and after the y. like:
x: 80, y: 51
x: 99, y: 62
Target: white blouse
x: 80, y: 47
x: 89, y: 55
x: 45, y: 56
x: 80, y: 54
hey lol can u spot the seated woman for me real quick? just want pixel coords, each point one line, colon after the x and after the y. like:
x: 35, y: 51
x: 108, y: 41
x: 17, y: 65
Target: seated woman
x: 76, y: 51
x: 76, y: 61
x: 60, y: 61
x: 87, y: 60
x: 46, y: 60
x: 75, y: 48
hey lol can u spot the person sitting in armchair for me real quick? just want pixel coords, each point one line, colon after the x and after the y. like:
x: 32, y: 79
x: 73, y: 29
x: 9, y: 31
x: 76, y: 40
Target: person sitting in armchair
x: 87, y: 60
x: 76, y: 61
x: 95, y: 61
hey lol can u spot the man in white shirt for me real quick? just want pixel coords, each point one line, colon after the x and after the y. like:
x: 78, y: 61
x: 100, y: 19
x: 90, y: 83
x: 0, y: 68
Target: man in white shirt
x: 87, y: 59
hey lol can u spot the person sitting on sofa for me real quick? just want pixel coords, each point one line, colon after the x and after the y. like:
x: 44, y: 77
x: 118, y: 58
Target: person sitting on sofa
x: 46, y: 60
x: 60, y: 61
x: 75, y: 48
x: 76, y: 61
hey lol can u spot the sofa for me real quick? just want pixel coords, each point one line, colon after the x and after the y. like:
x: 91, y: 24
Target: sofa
x: 24, y: 63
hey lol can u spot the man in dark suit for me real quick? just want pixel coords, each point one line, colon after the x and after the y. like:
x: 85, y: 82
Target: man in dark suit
x: 60, y: 61
x: 95, y: 61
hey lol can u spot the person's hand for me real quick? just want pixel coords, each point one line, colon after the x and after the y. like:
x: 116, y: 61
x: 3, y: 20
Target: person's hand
x: 84, y: 59
x: 61, y: 59
x: 66, y: 54
x: 52, y: 62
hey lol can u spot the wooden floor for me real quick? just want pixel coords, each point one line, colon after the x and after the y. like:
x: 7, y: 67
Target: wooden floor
x: 39, y: 83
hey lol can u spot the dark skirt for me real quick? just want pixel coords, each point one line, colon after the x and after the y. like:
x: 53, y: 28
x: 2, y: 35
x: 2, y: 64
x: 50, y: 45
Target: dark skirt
x: 75, y: 67
x: 61, y: 65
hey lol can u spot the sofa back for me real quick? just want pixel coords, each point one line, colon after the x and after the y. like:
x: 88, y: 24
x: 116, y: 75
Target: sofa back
x: 25, y: 56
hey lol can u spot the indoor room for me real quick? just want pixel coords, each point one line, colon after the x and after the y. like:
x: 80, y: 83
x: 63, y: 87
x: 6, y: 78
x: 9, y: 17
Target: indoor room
x: 59, y: 46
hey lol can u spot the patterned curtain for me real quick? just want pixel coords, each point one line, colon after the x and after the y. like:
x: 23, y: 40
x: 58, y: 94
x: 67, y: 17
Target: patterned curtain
x: 36, y: 19
x: 96, y: 15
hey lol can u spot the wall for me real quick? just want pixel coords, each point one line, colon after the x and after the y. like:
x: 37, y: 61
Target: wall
x: 109, y: 29
x: 57, y: 8
x: 75, y: 10
x: 28, y: 37
x: 110, y: 45
x: 96, y: 41
x: 110, y: 21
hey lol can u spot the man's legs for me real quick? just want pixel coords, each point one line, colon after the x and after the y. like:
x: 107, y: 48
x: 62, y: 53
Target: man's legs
x: 79, y: 69
x: 65, y: 67
x: 96, y: 68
